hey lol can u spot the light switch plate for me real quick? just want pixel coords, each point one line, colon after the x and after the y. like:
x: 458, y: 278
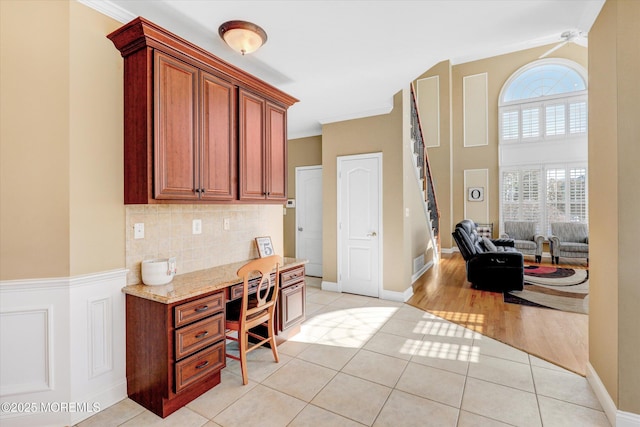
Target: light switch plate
x: 225, y: 224
x: 138, y: 230
x: 196, y: 226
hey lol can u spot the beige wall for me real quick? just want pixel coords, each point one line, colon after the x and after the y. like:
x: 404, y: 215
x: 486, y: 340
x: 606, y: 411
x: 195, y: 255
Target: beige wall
x: 498, y: 69
x: 301, y: 152
x: 368, y: 135
x: 61, y: 182
x: 96, y: 222
x: 60, y: 141
x: 614, y: 153
x: 440, y: 157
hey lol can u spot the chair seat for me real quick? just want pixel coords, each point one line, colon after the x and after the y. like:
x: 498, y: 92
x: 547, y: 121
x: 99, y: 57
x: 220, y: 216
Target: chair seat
x: 231, y: 323
x: 573, y: 247
x: 260, y: 311
x: 528, y: 245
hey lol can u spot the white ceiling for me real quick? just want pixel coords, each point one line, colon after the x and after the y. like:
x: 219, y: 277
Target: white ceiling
x: 346, y: 59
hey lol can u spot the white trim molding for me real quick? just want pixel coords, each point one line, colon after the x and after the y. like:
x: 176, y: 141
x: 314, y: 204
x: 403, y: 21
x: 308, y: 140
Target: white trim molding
x: 616, y: 417
x: 73, y: 331
x: 27, y: 359
x: 110, y: 9
x: 475, y: 110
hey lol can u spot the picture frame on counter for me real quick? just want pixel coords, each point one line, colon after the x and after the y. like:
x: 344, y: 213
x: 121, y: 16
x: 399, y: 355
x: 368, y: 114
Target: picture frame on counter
x: 265, y: 246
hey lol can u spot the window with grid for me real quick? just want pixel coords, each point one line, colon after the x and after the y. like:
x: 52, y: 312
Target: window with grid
x: 545, y: 101
x: 544, y: 195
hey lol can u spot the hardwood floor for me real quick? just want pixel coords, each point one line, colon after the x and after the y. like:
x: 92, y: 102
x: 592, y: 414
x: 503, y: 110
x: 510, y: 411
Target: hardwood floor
x: 556, y: 336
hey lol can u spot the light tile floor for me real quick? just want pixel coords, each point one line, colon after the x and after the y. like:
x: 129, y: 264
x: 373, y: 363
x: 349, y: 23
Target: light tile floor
x: 363, y: 361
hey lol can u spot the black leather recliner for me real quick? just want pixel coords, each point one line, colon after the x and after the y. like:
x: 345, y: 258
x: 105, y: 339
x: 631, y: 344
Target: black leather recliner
x: 493, y: 265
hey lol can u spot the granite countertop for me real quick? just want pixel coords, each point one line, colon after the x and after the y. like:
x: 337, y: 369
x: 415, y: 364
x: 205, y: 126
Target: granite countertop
x: 188, y: 285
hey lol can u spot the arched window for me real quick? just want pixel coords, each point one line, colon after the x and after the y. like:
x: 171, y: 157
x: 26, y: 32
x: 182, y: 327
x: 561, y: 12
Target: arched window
x: 543, y: 144
x: 545, y: 99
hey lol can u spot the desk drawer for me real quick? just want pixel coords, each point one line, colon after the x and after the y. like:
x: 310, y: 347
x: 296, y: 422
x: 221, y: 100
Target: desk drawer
x: 193, y: 368
x: 194, y: 337
x: 236, y: 290
x: 291, y: 276
x: 198, y: 309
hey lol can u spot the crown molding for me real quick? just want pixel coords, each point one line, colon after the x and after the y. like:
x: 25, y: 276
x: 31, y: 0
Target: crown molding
x: 110, y: 9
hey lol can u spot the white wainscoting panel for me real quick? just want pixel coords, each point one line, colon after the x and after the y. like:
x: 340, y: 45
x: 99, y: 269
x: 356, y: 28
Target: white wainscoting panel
x: 98, y: 339
x: 100, y: 333
x: 25, y: 350
x: 62, y: 342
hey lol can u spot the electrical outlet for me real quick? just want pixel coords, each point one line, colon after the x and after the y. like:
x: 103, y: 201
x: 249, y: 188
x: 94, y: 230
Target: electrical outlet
x: 225, y: 224
x: 196, y: 226
x: 138, y: 230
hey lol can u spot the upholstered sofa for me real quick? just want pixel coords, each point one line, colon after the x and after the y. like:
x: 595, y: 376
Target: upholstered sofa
x: 569, y: 240
x: 493, y: 265
x: 527, y: 241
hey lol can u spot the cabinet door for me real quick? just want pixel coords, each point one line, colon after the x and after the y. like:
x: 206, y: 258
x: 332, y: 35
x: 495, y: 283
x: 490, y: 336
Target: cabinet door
x: 276, y: 156
x: 292, y: 304
x: 252, y: 110
x: 175, y: 92
x: 218, y: 177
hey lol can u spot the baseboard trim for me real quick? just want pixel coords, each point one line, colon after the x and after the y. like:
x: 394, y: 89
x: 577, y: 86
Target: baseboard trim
x: 330, y: 286
x: 602, y: 394
x: 105, y: 399
x: 627, y: 419
x: 386, y: 295
x: 448, y: 251
x: 397, y: 296
x: 616, y: 417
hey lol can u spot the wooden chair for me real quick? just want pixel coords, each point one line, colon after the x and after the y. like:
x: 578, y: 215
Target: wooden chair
x: 255, y: 310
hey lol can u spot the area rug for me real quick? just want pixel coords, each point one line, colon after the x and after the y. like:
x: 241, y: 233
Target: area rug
x: 565, y: 289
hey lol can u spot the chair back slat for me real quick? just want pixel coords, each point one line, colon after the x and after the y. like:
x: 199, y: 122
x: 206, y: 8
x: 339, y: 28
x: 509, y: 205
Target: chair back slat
x: 264, y: 296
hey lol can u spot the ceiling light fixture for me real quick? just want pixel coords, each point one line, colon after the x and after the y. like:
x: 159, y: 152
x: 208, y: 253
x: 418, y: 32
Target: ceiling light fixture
x: 242, y: 36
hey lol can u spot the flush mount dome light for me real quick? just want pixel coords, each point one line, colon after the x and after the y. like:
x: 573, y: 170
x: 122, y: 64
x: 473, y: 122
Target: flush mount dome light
x: 242, y: 36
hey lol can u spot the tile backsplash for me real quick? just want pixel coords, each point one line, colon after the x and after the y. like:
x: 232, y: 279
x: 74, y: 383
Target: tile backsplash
x: 168, y: 233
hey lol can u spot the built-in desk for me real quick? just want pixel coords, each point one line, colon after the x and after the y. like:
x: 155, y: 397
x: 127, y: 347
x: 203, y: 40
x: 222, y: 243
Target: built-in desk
x: 175, y: 332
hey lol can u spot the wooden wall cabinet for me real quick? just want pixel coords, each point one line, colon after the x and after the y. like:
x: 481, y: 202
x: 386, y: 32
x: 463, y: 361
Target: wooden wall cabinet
x: 181, y: 124
x: 263, y: 149
x: 195, y: 143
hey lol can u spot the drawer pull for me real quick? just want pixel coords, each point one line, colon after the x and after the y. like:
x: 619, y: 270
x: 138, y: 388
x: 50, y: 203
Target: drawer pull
x: 201, y: 309
x: 202, y: 365
x: 202, y: 334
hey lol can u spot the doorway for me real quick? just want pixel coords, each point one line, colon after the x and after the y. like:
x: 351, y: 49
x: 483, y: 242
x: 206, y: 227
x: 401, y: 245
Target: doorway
x: 360, y: 224
x: 309, y: 218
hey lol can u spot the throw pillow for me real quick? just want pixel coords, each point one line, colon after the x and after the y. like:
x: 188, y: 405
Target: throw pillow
x: 488, y: 244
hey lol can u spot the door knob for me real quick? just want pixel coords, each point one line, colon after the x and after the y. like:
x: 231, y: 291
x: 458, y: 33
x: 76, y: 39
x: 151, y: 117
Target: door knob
x: 372, y: 234
x: 300, y: 229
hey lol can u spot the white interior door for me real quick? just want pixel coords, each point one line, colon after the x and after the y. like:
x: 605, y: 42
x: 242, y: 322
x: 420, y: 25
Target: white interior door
x: 360, y: 224
x: 309, y: 218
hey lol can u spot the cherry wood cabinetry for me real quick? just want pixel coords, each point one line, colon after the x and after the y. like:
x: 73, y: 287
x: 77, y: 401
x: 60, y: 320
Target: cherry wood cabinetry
x: 182, y: 123
x: 195, y: 148
x: 175, y: 352
x: 291, y: 301
x: 263, y: 149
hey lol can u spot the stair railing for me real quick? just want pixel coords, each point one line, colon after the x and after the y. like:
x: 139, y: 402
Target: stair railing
x: 423, y: 166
